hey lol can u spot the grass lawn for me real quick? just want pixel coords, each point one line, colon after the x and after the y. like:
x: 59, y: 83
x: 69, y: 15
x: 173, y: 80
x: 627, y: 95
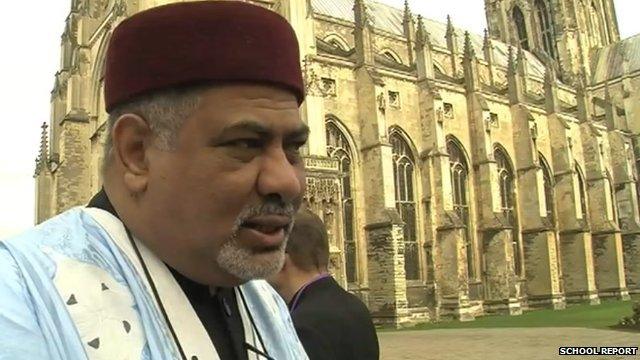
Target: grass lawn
x: 603, y: 316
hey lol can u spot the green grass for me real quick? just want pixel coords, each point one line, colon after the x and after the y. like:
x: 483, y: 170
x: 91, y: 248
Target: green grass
x: 603, y: 316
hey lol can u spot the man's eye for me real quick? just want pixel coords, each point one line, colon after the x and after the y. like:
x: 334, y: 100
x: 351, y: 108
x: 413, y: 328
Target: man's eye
x: 293, y: 152
x: 245, y: 143
x: 295, y: 147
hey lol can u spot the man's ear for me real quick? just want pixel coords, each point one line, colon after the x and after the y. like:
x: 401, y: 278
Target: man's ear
x: 131, y: 137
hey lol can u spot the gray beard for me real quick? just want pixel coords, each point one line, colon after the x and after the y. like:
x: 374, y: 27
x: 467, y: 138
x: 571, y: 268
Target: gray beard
x: 245, y: 264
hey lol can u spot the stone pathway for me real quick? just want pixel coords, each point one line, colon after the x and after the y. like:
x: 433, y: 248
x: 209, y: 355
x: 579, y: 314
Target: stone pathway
x: 499, y: 344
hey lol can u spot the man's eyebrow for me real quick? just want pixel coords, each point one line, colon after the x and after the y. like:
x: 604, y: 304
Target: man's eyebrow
x: 247, y: 125
x: 302, y: 131
x: 262, y: 130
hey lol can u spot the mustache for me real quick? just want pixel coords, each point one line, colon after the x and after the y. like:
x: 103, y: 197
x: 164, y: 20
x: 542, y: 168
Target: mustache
x: 269, y: 207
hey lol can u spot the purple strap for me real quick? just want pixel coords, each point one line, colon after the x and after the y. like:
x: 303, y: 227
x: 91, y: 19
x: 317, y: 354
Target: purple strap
x: 296, y: 299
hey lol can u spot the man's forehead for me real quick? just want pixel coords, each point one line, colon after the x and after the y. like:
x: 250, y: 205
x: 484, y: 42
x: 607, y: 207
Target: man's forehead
x: 259, y: 109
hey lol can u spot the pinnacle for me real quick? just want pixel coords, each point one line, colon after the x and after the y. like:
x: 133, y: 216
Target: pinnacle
x: 450, y: 29
x: 469, y: 52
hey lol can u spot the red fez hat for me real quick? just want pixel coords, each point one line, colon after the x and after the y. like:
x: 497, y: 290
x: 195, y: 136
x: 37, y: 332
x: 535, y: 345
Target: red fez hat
x: 200, y: 42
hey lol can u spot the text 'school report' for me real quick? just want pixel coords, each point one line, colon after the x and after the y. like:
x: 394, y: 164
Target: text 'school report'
x: 598, y: 350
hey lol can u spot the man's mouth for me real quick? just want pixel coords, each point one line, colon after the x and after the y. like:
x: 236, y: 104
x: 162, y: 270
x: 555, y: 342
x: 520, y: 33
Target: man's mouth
x: 265, y: 229
x: 269, y: 224
x: 265, y: 232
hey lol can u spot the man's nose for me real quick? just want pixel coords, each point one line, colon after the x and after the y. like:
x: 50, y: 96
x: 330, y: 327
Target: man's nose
x: 279, y: 176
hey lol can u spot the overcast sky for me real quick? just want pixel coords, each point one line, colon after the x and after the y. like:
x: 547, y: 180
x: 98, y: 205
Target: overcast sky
x: 30, y: 37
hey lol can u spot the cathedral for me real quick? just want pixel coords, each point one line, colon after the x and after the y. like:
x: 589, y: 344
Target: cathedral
x: 459, y: 174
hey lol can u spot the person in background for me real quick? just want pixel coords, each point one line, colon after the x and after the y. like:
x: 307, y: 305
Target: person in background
x: 331, y: 322
x: 202, y: 178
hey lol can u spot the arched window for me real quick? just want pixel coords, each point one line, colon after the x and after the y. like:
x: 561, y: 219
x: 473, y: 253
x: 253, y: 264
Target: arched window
x: 403, y: 165
x: 337, y: 41
x: 548, y: 188
x: 339, y: 149
x: 581, y: 192
x: 506, y: 181
x: 546, y: 28
x: 460, y: 190
x: 521, y: 28
x: 391, y: 56
x: 596, y: 28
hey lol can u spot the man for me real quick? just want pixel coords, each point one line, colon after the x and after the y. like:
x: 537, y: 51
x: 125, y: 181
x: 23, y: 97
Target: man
x: 201, y: 180
x: 331, y: 323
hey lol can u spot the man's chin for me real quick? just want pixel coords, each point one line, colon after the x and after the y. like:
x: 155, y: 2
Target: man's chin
x: 249, y: 265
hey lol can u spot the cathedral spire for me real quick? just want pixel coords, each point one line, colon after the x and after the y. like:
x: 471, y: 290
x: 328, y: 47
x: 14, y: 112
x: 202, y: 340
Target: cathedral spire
x: 407, y: 11
x: 469, y: 52
x: 409, y: 31
x: 487, y: 48
x: 424, y: 58
x: 450, y: 30
x: 43, y: 159
x: 361, y: 14
x: 452, y: 44
x: 422, y: 36
x: 363, y: 34
x: 470, y: 65
x: 486, y: 41
x: 451, y: 36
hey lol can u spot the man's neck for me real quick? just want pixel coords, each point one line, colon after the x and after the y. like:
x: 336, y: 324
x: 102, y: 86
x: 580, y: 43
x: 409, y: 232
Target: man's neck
x: 298, y: 282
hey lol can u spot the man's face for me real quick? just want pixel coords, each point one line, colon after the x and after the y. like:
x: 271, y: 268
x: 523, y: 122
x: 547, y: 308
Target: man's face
x: 222, y: 201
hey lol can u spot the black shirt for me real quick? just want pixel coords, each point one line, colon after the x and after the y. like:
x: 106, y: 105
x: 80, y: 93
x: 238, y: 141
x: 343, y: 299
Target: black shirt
x: 333, y: 324
x: 218, y: 313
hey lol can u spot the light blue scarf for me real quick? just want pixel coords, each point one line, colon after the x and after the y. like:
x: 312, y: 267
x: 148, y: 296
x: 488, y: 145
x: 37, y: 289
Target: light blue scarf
x: 70, y: 289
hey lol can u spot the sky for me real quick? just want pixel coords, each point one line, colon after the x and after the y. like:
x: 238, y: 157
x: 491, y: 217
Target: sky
x: 30, y: 57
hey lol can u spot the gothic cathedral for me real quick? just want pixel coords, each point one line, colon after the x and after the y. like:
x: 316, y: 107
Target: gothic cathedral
x: 458, y: 174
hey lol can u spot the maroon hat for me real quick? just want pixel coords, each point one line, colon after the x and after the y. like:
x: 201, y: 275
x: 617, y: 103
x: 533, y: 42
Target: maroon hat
x: 200, y: 42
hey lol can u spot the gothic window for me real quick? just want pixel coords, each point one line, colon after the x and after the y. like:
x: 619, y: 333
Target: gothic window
x: 548, y: 188
x: 336, y: 44
x: 546, y: 28
x: 339, y: 149
x: 337, y: 41
x: 403, y: 165
x: 596, y: 28
x: 391, y: 56
x: 460, y: 190
x: 605, y: 23
x: 581, y: 192
x: 506, y: 181
x: 521, y: 28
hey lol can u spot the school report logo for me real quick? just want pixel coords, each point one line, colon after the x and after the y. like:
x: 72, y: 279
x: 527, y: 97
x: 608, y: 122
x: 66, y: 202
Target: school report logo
x: 598, y: 350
